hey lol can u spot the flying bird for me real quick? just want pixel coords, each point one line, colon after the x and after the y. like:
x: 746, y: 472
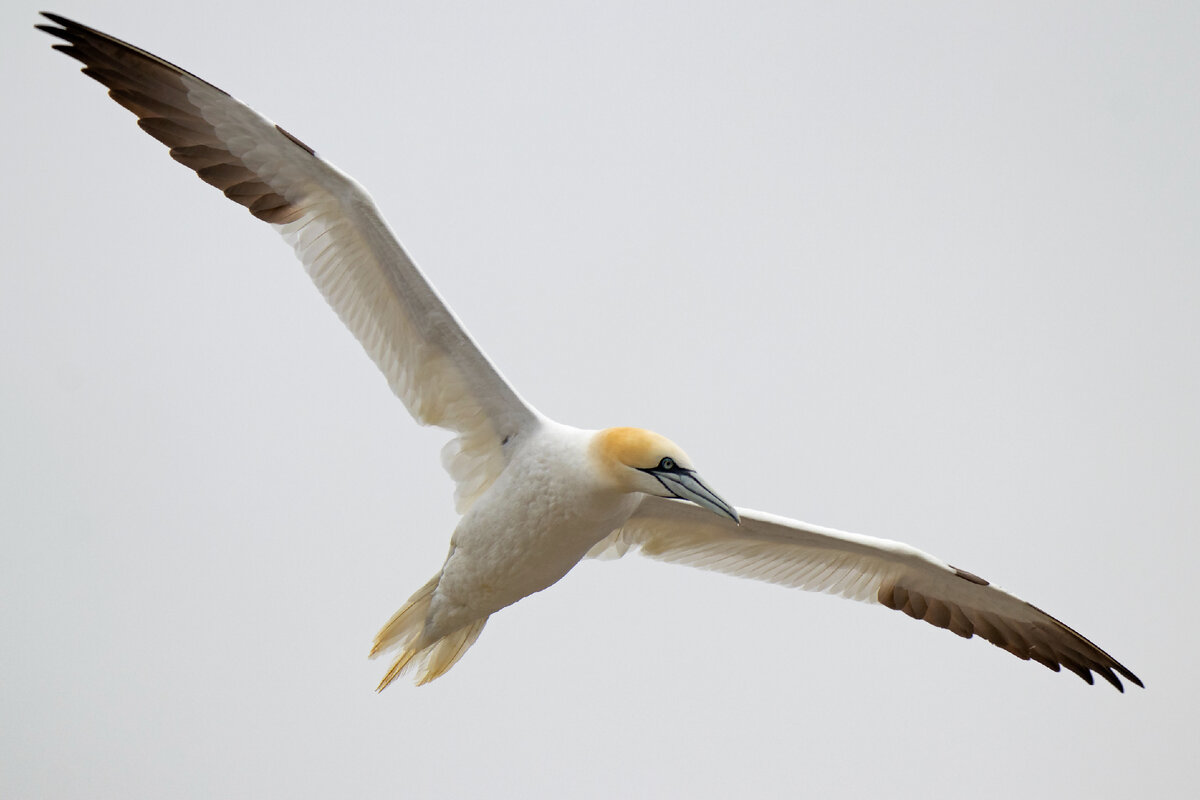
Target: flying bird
x: 535, y: 496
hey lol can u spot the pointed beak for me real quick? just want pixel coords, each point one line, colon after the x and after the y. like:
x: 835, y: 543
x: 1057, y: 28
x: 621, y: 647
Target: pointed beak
x: 686, y: 485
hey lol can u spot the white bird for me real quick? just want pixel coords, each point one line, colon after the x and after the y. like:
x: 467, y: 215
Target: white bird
x: 535, y: 496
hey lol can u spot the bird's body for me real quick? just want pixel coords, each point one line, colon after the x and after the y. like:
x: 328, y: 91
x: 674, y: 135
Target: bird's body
x: 563, y: 491
x: 541, y: 516
x: 535, y: 496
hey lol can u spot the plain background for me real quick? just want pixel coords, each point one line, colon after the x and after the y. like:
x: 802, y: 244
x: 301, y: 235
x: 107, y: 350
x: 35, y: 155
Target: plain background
x: 926, y: 271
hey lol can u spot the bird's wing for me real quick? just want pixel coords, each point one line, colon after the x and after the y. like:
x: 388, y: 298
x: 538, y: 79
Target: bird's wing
x: 429, y: 360
x: 802, y: 556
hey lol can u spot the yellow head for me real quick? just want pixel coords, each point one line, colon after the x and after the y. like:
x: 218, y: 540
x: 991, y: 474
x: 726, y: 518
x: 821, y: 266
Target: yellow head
x: 638, y: 460
x: 637, y: 448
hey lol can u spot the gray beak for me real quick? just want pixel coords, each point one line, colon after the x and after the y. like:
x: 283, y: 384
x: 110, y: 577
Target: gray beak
x: 686, y: 485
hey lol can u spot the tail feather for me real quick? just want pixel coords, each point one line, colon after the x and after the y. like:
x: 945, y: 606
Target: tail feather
x: 405, y: 631
x: 407, y: 624
x: 435, y: 660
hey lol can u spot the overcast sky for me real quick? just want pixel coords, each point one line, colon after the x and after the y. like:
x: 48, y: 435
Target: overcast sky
x: 926, y: 271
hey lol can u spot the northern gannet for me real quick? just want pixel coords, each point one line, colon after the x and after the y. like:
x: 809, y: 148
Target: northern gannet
x: 535, y: 496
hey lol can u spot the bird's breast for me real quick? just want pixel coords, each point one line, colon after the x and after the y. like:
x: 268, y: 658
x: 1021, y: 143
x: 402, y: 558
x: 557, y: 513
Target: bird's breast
x: 528, y: 530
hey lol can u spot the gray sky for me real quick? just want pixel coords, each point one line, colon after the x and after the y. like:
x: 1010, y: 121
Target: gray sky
x: 921, y: 271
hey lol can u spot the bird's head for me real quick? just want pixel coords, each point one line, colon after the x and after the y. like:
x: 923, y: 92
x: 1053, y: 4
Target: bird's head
x: 638, y: 460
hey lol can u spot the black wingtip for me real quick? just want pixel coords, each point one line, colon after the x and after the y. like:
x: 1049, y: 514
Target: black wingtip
x: 63, y: 28
x: 57, y: 19
x: 1129, y: 676
x: 1107, y: 674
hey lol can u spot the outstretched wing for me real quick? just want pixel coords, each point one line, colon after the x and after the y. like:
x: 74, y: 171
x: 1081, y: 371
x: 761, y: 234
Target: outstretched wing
x: 802, y: 556
x: 429, y: 360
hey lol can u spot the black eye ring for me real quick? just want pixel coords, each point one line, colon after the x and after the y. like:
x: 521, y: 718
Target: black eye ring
x: 667, y: 464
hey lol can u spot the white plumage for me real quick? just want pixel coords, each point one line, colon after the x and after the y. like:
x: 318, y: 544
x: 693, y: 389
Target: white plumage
x: 535, y: 496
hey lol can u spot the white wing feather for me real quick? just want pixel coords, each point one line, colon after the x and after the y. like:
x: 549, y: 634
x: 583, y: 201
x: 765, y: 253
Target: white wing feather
x: 429, y: 360
x: 802, y: 556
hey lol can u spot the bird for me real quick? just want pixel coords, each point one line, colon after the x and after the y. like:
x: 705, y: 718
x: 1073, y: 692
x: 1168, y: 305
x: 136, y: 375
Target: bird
x: 535, y: 496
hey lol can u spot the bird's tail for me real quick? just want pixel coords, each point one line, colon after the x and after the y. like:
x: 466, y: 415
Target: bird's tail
x: 405, y: 632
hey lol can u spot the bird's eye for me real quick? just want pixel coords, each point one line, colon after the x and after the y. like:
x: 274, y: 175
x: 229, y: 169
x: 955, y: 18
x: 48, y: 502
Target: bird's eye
x: 667, y: 464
